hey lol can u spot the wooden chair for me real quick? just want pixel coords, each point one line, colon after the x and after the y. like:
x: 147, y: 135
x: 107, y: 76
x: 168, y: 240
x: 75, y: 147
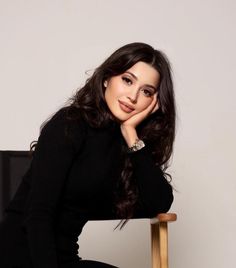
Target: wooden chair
x: 13, y: 164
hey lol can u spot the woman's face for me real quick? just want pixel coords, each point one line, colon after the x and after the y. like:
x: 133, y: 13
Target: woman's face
x: 132, y: 91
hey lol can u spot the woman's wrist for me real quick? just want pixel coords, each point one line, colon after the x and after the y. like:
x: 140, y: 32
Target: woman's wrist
x: 133, y: 142
x: 130, y: 135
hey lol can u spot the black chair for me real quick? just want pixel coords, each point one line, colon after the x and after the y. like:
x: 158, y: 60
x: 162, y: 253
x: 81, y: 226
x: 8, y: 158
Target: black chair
x: 14, y: 164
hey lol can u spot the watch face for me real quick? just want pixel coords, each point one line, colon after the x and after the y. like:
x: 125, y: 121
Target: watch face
x: 139, y: 144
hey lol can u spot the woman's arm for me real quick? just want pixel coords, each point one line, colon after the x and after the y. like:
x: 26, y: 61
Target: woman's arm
x: 51, y: 163
x: 155, y: 192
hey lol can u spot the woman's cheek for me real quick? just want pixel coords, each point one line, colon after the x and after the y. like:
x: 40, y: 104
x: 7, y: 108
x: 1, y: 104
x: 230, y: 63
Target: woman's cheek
x: 145, y: 105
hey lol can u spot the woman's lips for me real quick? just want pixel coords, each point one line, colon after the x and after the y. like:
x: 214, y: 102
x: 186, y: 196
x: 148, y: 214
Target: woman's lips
x: 124, y: 107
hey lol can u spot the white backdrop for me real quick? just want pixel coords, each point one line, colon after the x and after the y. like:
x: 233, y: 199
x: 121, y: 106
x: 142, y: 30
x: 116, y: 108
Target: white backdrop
x: 45, y: 49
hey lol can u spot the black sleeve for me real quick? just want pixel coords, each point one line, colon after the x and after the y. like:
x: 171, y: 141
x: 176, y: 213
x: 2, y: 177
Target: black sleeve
x: 51, y: 162
x: 156, y: 195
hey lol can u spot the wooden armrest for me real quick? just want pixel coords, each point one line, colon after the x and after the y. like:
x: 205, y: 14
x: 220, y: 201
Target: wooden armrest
x: 164, y: 217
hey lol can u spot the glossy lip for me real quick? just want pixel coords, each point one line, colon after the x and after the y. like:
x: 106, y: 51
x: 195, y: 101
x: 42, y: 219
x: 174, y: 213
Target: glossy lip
x: 125, y: 107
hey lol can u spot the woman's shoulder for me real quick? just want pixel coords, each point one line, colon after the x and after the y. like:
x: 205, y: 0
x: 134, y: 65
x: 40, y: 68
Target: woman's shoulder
x: 66, y: 116
x: 66, y: 123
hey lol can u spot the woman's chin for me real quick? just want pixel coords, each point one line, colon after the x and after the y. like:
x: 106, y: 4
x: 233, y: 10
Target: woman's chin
x: 123, y: 118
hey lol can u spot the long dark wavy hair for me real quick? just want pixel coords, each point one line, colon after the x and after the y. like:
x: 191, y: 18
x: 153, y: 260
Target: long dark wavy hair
x: 158, y: 130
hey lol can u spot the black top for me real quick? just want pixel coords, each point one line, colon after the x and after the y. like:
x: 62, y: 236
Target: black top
x: 71, y: 180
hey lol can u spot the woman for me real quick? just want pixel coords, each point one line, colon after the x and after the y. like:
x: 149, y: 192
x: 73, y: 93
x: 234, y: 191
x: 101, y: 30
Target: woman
x: 103, y: 156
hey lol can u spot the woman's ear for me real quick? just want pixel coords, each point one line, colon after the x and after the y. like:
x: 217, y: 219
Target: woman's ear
x: 105, y: 83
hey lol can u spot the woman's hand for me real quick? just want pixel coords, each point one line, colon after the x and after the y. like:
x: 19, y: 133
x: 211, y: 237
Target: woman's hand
x: 136, y: 119
x: 128, y: 127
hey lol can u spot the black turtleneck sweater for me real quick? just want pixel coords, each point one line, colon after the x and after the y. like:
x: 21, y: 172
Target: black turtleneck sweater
x: 71, y: 180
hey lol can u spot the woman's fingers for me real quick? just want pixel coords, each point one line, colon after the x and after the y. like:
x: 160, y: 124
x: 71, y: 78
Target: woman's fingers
x: 151, y: 108
x: 154, y: 105
x: 139, y: 117
x: 155, y: 108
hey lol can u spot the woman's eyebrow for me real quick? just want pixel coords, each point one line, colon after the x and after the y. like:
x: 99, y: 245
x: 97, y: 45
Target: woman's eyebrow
x: 136, y: 78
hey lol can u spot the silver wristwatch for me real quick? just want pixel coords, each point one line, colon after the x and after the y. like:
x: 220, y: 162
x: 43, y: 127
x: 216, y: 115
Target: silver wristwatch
x: 138, y: 145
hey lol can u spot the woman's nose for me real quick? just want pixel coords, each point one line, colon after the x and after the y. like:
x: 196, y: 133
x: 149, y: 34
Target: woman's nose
x: 133, y: 95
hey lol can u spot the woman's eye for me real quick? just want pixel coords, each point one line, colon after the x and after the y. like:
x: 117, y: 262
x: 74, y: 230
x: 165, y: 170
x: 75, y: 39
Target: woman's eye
x: 127, y: 80
x: 147, y: 92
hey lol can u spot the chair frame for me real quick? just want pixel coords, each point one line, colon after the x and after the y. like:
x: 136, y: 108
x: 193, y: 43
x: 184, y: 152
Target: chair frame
x: 159, y: 239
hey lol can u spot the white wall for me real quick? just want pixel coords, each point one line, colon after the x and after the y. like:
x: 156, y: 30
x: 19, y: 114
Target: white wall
x: 45, y: 49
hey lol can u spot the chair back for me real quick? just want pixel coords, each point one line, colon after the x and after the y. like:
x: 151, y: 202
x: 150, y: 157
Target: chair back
x: 13, y: 165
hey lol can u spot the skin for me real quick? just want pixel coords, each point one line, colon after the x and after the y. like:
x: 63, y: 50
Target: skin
x: 137, y: 88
